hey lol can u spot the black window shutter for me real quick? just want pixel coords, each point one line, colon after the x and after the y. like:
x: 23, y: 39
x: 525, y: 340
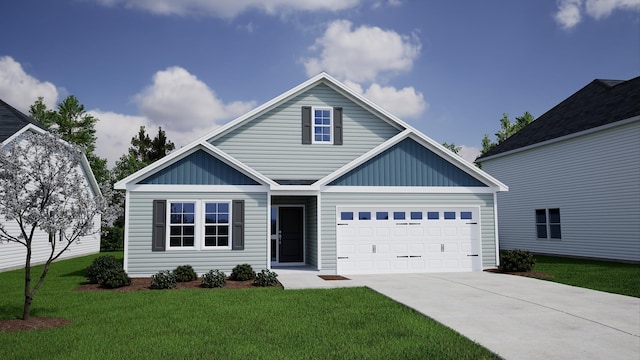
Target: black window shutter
x: 237, y: 219
x: 159, y: 219
x: 337, y: 126
x: 306, y: 125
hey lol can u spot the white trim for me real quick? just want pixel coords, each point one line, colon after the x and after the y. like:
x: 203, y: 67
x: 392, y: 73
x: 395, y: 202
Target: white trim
x: 198, y: 188
x: 313, y: 125
x: 563, y: 138
x: 319, y: 231
x: 127, y: 200
x: 495, y: 226
x: 268, y: 230
x: 198, y: 224
x: 410, y: 189
x: 22, y: 130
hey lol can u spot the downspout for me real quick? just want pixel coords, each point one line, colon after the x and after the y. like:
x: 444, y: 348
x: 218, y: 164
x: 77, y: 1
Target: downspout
x: 126, y: 230
x: 269, y: 229
x: 495, y: 226
x: 319, y: 228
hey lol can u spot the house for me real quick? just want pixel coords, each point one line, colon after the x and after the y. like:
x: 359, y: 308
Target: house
x: 14, y: 124
x: 574, y: 176
x: 317, y: 177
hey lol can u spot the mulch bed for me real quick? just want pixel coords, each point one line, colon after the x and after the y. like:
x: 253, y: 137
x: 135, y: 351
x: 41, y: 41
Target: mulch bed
x: 532, y: 274
x: 137, y: 284
x: 333, y: 277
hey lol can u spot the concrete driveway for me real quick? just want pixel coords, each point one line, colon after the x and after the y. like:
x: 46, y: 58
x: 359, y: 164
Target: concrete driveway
x: 513, y: 316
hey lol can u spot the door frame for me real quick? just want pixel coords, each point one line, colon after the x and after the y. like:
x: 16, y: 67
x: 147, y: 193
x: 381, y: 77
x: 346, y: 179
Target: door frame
x: 274, y: 237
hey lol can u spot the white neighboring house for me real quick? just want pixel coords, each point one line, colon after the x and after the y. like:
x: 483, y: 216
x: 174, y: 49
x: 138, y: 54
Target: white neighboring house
x: 574, y: 176
x: 13, y: 123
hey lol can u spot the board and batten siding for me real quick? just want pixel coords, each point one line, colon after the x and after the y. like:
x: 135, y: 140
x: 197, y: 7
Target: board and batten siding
x: 594, y: 180
x: 330, y: 201
x: 272, y: 142
x: 141, y: 261
x: 13, y: 255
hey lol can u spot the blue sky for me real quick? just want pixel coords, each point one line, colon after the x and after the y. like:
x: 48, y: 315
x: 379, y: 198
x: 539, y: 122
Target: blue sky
x: 449, y: 68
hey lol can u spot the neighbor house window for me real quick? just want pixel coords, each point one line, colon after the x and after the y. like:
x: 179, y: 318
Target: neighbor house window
x: 216, y: 224
x: 182, y: 219
x: 548, y: 224
x: 322, y: 125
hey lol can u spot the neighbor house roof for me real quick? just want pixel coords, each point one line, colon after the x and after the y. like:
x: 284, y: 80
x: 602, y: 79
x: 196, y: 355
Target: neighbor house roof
x: 12, y: 121
x: 601, y: 102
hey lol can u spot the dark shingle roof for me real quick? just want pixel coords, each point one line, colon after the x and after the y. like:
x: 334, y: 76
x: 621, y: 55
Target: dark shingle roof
x: 12, y: 120
x: 599, y: 103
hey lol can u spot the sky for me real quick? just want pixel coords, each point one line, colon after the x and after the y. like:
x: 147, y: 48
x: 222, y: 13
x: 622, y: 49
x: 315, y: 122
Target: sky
x: 448, y: 68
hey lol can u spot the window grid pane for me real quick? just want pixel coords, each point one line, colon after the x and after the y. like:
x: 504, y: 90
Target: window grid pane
x: 182, y: 228
x: 322, y: 125
x: 216, y: 228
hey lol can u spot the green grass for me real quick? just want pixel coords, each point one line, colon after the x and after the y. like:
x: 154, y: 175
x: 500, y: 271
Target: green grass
x: 261, y: 323
x: 613, y: 277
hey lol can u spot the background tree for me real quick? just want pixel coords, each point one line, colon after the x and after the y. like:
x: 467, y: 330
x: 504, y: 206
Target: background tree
x: 507, y: 129
x: 452, y: 147
x: 73, y: 124
x: 43, y: 189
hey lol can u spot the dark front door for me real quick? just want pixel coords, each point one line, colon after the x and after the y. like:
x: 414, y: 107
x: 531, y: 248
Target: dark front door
x: 291, y: 226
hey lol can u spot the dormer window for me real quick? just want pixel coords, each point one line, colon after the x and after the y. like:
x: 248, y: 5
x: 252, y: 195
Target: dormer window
x: 322, y: 125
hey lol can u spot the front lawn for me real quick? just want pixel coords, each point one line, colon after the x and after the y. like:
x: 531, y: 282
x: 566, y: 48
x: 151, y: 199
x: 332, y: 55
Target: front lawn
x: 613, y: 277
x: 260, y: 323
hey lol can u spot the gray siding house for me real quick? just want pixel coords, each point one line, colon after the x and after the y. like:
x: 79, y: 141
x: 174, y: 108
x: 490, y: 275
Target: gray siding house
x: 317, y: 177
x: 13, y: 124
x: 574, y: 176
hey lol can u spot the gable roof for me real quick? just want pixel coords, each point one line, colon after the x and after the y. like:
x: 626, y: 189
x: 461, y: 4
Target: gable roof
x: 326, y: 79
x: 601, y: 102
x: 12, y: 121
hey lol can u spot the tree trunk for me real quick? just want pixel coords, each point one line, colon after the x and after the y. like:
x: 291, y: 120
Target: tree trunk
x: 28, y: 297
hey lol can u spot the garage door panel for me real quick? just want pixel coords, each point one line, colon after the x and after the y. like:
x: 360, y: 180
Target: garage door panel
x: 412, y: 239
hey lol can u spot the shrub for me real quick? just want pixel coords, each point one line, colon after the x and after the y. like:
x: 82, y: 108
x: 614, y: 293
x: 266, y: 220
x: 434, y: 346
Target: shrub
x: 164, y: 279
x: 266, y: 278
x: 100, y: 266
x: 214, y: 279
x: 114, y: 278
x: 112, y: 239
x: 516, y: 260
x: 185, y: 273
x: 243, y: 272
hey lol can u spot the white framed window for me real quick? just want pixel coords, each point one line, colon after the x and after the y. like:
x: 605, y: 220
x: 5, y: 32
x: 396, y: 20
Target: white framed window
x: 217, y: 229
x: 199, y: 224
x: 322, y: 122
x: 548, y: 224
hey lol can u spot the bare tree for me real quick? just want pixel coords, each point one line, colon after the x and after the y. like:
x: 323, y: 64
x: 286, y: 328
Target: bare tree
x: 44, y: 189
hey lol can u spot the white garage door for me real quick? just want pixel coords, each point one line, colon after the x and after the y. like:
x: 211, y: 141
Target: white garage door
x: 375, y: 240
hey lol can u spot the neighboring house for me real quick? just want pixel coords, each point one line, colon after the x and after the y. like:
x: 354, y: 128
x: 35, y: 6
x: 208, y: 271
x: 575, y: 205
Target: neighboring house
x: 320, y: 177
x: 574, y: 176
x: 13, y: 124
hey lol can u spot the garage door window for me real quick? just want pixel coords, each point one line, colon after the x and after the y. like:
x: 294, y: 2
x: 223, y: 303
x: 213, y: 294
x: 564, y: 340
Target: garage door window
x: 346, y: 215
x: 449, y: 215
x: 382, y: 215
x: 416, y: 215
x: 364, y: 215
x: 433, y: 215
x: 399, y: 215
x: 465, y: 215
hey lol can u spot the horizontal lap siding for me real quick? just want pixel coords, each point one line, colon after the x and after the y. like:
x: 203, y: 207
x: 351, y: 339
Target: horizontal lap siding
x: 594, y: 180
x: 143, y: 262
x: 332, y: 200
x: 13, y: 255
x: 272, y: 143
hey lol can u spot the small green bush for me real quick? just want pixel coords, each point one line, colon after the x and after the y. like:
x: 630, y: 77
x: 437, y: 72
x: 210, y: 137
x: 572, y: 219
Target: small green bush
x: 516, y: 260
x: 185, y: 273
x: 214, y: 279
x: 164, y: 279
x: 100, y: 266
x: 243, y: 272
x: 266, y: 278
x: 114, y: 278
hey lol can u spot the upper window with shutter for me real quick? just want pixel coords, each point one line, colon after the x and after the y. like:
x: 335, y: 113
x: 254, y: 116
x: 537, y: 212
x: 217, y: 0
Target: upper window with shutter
x: 322, y: 125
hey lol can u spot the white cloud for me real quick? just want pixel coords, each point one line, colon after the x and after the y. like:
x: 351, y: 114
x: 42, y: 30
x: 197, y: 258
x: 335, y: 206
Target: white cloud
x: 178, y: 101
x: 570, y: 12
x: 361, y: 55
x: 406, y: 102
x: 20, y: 89
x: 469, y: 153
x: 230, y: 8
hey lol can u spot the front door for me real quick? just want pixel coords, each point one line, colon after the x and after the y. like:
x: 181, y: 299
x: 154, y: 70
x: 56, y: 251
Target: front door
x: 290, y: 234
